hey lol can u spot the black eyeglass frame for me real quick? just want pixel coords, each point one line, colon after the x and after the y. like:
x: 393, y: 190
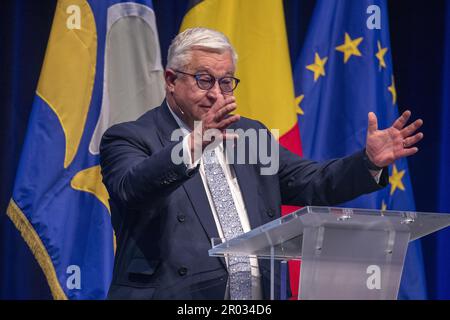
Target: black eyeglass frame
x: 211, y: 83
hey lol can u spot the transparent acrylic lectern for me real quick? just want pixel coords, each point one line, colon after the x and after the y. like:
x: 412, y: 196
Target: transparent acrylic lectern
x: 345, y: 253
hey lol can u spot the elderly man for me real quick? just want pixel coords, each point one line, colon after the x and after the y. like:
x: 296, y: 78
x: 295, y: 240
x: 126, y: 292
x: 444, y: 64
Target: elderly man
x: 165, y: 212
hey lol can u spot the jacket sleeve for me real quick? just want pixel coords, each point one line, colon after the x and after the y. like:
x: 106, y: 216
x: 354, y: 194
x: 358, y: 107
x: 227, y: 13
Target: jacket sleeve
x: 133, y: 173
x: 304, y: 182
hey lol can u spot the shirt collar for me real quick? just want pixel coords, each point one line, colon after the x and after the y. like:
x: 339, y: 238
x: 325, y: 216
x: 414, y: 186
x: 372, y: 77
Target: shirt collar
x: 186, y: 130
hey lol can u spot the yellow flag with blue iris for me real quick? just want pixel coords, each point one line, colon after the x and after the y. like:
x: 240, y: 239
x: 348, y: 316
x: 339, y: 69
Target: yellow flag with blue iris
x: 345, y: 71
x: 94, y: 74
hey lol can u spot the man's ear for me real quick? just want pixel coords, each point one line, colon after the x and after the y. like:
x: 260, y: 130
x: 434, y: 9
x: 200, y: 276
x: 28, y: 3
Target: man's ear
x: 170, y: 76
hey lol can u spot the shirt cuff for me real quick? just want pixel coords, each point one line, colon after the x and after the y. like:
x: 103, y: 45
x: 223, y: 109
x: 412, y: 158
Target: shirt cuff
x: 377, y: 177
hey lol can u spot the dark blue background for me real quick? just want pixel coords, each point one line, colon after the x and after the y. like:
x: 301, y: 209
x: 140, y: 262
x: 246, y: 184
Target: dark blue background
x: 418, y: 44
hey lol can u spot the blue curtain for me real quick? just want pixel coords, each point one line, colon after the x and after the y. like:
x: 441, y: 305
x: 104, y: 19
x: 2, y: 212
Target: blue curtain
x: 418, y: 51
x: 24, y: 28
x: 442, y: 276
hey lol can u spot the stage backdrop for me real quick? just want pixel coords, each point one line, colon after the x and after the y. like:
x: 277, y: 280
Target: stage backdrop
x: 420, y: 50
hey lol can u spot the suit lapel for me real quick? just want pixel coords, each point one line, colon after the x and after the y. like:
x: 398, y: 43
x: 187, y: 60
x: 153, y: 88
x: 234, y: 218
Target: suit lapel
x: 166, y: 123
x: 197, y: 195
x: 248, y: 186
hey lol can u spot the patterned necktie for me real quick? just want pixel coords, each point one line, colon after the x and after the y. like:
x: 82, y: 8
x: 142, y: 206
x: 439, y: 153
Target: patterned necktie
x: 239, y: 271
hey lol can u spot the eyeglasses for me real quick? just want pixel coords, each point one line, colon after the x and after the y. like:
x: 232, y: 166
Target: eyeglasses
x: 205, y: 81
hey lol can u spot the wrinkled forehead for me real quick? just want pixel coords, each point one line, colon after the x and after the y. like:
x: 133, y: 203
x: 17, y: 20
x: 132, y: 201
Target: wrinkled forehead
x: 210, y: 60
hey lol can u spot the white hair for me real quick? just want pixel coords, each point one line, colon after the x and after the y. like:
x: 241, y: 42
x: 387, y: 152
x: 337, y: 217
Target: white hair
x: 180, y: 49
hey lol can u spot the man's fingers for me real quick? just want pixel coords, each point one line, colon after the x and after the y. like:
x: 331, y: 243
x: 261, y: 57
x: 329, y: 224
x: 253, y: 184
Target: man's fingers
x: 221, y: 102
x: 373, y: 122
x: 402, y: 120
x: 221, y: 113
x: 410, y: 141
x: 408, y: 152
x: 409, y: 130
x: 225, y: 123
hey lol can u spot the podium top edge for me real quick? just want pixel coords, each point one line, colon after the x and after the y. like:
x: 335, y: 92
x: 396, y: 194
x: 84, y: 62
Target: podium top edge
x: 344, y: 210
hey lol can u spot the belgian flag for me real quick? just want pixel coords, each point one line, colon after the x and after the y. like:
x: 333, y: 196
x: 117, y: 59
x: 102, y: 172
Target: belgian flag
x: 257, y: 31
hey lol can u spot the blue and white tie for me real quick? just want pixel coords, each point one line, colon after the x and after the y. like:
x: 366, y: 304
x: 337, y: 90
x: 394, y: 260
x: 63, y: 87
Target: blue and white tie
x: 240, y: 278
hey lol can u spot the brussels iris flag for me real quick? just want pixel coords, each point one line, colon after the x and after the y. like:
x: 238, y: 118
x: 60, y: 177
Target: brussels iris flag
x: 102, y: 66
x: 344, y: 72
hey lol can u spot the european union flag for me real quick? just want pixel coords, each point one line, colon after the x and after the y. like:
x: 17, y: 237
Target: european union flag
x: 102, y: 66
x: 345, y: 71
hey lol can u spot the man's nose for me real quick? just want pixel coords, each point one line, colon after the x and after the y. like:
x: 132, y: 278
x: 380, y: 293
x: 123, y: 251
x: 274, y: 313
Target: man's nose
x: 214, y: 92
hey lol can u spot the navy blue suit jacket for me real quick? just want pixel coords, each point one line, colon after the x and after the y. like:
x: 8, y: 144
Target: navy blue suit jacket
x: 161, y: 214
